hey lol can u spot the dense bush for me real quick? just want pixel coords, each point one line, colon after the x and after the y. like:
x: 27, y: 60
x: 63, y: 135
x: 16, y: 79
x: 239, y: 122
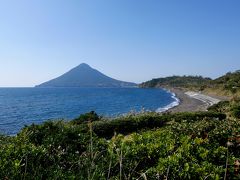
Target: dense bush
x: 52, y: 150
x: 126, y: 125
x: 88, y: 117
x: 220, y: 107
x: 133, y: 123
x: 235, y: 110
x: 153, y: 146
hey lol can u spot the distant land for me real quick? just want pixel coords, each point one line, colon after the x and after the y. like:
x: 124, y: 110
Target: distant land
x: 85, y: 76
x: 226, y: 85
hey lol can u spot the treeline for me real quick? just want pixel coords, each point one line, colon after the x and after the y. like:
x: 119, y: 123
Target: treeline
x: 177, y: 81
x: 229, y: 83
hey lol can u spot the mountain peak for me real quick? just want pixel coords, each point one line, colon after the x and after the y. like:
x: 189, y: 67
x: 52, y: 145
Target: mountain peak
x: 83, y: 65
x: 85, y: 76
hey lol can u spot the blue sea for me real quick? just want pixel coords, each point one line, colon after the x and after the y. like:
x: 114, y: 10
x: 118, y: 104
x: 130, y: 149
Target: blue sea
x: 24, y: 106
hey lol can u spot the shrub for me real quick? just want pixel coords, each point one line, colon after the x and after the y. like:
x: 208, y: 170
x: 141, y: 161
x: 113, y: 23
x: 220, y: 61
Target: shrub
x: 176, y: 146
x: 236, y: 111
x: 88, y: 117
x: 135, y: 123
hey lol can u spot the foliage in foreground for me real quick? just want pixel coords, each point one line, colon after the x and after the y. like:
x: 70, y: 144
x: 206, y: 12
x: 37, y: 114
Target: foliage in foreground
x: 145, y: 146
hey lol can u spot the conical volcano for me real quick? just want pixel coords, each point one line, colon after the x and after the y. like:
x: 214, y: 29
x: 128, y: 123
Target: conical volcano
x: 85, y: 76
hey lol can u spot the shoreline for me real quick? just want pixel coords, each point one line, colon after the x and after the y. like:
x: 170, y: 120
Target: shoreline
x: 171, y: 105
x: 190, y: 101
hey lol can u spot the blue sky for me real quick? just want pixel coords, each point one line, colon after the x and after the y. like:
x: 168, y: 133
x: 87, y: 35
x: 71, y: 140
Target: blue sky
x: 132, y: 40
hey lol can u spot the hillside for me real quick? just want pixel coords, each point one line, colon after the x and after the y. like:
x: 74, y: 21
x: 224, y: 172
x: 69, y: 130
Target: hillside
x: 228, y: 84
x: 177, y: 81
x: 85, y: 76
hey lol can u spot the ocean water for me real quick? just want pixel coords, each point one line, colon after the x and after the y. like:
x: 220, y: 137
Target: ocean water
x: 24, y: 106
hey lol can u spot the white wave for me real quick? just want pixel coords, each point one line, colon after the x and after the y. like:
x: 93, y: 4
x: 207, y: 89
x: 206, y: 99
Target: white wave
x: 175, y: 103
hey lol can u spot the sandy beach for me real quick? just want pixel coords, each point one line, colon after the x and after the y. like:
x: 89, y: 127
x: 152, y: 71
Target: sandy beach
x: 192, y: 101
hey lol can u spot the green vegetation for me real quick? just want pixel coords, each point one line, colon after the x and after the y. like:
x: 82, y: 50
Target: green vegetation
x: 178, y: 81
x: 228, y: 85
x: 133, y: 123
x: 84, y: 118
x: 203, y: 145
x: 229, y: 82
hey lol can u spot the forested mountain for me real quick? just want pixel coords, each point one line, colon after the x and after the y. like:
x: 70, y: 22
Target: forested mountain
x: 228, y: 84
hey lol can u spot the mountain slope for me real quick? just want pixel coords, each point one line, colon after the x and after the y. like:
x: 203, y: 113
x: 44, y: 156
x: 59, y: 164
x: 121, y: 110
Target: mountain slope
x: 85, y: 76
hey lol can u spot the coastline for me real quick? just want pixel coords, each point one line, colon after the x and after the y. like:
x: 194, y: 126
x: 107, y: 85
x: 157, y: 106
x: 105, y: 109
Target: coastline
x: 191, y: 101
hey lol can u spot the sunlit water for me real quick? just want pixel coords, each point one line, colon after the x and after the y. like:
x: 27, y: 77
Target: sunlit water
x: 24, y: 106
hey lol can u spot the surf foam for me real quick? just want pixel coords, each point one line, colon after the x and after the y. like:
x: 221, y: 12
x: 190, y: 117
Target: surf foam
x: 175, y: 103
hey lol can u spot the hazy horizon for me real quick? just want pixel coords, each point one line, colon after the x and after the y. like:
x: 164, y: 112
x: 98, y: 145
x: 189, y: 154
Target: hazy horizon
x: 132, y: 41
x: 121, y: 79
